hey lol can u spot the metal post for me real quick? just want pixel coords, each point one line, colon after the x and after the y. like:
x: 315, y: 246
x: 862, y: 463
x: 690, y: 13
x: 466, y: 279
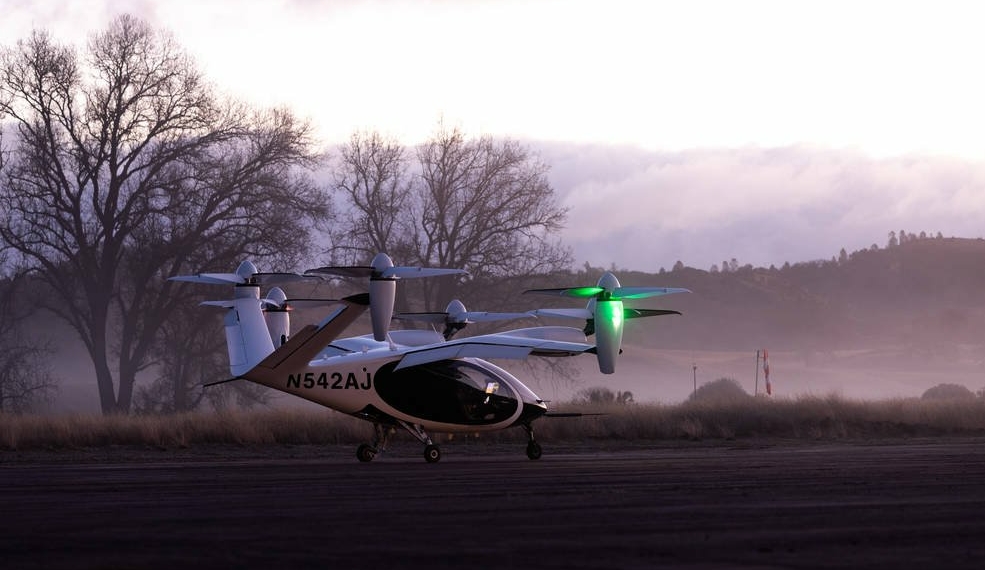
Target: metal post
x: 756, y: 391
x: 694, y: 371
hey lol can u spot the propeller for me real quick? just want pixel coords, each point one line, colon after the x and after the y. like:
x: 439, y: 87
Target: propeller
x: 247, y: 281
x: 605, y: 314
x: 455, y: 317
x: 383, y: 276
x: 276, y: 308
x: 246, y: 274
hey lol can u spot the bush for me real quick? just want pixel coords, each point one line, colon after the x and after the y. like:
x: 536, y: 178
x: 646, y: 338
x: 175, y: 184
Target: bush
x: 721, y: 391
x: 602, y: 395
x: 948, y: 392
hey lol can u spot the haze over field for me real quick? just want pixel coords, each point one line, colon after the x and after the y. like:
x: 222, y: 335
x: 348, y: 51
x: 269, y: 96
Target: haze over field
x: 762, y: 131
x: 766, y: 131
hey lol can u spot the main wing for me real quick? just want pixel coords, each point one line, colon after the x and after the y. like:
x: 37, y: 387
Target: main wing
x: 516, y: 344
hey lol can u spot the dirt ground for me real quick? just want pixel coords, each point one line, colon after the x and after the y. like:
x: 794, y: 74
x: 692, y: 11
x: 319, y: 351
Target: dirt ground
x: 900, y: 504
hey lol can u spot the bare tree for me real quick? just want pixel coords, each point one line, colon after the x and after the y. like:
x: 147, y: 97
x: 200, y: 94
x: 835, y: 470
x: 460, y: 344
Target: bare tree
x: 486, y: 206
x: 478, y: 204
x: 126, y: 168
x: 372, y: 177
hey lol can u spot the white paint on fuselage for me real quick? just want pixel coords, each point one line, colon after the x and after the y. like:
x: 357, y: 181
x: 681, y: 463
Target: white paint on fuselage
x: 346, y: 382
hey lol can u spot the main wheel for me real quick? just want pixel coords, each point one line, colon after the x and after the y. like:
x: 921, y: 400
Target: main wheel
x: 365, y: 453
x: 432, y: 454
x: 533, y: 450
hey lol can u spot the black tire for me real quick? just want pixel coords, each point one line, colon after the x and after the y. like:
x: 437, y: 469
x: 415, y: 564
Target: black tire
x: 533, y: 450
x: 365, y: 453
x: 432, y: 454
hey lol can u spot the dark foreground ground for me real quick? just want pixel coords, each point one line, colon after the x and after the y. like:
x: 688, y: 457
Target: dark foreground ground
x: 915, y: 504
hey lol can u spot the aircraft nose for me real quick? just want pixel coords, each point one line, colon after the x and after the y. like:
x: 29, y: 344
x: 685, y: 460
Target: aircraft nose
x: 532, y: 410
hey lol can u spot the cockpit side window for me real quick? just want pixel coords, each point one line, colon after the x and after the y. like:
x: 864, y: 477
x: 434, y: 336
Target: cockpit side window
x: 450, y: 391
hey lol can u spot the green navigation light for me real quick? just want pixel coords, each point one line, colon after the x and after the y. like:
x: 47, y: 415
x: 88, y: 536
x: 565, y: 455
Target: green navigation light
x: 583, y: 292
x: 609, y: 312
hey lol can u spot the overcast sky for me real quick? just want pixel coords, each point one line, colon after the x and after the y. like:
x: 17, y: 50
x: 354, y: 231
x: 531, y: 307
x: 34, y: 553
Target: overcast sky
x: 697, y: 130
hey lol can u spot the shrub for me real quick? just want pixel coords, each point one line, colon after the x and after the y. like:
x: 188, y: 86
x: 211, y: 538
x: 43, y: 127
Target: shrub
x: 948, y: 392
x: 603, y: 396
x: 721, y: 391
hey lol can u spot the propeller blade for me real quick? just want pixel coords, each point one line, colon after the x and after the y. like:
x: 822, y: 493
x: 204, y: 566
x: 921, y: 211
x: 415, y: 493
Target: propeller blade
x: 563, y: 313
x: 644, y: 292
x: 351, y: 271
x: 576, y: 292
x: 276, y: 278
x: 411, y: 272
x: 221, y: 304
x: 637, y: 313
x: 210, y: 278
x: 486, y: 317
x: 433, y: 318
x: 310, y: 303
x: 245, y: 274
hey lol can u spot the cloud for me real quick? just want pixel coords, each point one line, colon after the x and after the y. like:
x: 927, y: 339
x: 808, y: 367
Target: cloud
x: 644, y: 210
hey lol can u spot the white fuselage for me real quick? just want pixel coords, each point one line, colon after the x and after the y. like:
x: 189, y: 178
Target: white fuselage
x: 461, y: 394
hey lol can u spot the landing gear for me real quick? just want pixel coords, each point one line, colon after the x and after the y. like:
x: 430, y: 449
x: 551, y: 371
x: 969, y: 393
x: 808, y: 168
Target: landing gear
x: 534, y: 450
x: 367, y: 452
x: 431, y: 453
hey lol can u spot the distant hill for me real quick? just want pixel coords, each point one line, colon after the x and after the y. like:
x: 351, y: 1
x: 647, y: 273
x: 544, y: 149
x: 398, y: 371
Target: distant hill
x: 876, y: 323
x: 926, y: 294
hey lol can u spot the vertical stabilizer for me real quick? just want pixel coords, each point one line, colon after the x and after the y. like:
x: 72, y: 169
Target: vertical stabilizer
x: 247, y: 337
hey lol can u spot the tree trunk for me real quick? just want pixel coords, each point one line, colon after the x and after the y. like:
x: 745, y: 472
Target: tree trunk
x: 104, y: 381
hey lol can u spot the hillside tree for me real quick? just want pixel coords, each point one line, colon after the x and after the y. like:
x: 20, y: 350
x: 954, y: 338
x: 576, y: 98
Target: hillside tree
x: 125, y: 167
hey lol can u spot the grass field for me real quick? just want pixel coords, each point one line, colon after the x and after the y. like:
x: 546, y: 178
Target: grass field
x: 809, y: 418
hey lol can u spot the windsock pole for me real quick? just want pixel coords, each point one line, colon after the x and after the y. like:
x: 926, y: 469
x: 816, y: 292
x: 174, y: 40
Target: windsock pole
x: 766, y: 372
x: 756, y: 390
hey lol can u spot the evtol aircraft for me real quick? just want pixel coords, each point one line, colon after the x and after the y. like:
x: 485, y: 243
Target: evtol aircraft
x: 417, y: 380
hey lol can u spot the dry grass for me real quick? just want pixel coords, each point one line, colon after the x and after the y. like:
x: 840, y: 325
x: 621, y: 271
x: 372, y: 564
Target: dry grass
x: 179, y: 430
x: 810, y: 418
